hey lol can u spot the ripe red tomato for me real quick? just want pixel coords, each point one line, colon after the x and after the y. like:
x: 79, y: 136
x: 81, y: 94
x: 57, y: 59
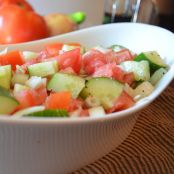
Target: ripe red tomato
x: 20, y: 25
x: 21, y: 3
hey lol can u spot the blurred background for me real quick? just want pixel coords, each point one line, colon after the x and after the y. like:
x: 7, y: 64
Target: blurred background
x: 36, y: 19
x: 158, y: 12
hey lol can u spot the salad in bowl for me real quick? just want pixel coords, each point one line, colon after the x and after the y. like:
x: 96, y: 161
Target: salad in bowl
x: 68, y: 80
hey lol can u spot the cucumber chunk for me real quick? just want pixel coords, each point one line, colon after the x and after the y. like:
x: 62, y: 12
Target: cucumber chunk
x: 28, y: 111
x: 5, y: 76
x: 43, y: 69
x: 140, y: 69
x: 104, y: 89
x: 154, y: 59
x: 20, y: 78
x: 155, y: 78
x: 143, y: 90
x: 29, y: 55
x: 66, y: 82
x: 7, y: 103
x: 117, y: 48
x: 49, y: 113
x: 18, y: 88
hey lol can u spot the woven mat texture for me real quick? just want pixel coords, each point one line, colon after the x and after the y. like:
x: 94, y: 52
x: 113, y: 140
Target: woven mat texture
x: 149, y: 149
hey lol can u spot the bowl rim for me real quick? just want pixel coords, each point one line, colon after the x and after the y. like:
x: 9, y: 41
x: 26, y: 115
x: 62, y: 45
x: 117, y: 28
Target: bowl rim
x: 84, y: 120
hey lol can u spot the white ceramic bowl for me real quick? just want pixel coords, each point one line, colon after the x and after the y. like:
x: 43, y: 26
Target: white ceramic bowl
x: 58, y: 146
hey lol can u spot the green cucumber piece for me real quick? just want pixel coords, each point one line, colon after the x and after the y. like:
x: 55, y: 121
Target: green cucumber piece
x: 140, y: 69
x: 154, y: 59
x: 18, y: 88
x: 157, y: 75
x: 66, y: 82
x: 84, y: 93
x: 117, y: 48
x: 49, y: 113
x: 20, y: 78
x: 105, y: 89
x: 43, y: 69
x: 5, y: 76
x: 7, y: 103
x: 28, y: 111
x: 29, y: 55
x: 143, y: 90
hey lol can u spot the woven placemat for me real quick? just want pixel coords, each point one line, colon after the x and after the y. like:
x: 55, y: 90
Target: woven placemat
x: 149, y: 149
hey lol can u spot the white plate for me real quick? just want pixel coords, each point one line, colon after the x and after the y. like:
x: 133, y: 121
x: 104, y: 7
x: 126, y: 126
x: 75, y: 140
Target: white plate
x: 42, y: 146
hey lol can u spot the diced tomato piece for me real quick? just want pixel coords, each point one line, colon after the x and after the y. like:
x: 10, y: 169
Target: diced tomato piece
x: 53, y: 49
x: 129, y: 78
x: 110, y: 56
x: 71, y: 59
x: 26, y: 99
x: 31, y: 97
x: 59, y: 100
x: 125, y: 101
x: 40, y: 95
x: 114, y: 71
x: 12, y: 58
x: 105, y: 70
x: 92, y: 60
x: 74, y: 44
x: 84, y: 113
x: 118, y: 73
x: 50, y: 51
x: 123, y: 55
x: 76, y: 104
x: 68, y: 70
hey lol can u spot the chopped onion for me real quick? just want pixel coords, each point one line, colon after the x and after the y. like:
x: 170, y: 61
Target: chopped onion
x: 96, y: 111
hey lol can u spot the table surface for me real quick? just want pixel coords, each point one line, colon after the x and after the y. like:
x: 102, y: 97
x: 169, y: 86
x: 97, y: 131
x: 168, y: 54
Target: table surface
x: 149, y: 149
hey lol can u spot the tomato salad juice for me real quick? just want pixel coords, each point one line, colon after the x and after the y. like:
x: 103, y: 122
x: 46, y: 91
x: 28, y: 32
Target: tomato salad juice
x: 66, y: 80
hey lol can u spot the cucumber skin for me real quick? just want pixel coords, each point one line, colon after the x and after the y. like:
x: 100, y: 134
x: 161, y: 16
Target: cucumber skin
x: 157, y: 75
x: 7, y: 101
x: 153, y: 66
x: 49, y: 113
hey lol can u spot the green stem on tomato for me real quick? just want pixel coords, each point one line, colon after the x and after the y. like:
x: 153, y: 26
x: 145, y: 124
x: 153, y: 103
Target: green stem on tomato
x: 78, y: 17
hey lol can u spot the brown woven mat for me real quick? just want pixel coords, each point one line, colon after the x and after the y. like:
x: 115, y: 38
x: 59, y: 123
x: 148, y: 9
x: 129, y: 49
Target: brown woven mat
x: 149, y: 149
